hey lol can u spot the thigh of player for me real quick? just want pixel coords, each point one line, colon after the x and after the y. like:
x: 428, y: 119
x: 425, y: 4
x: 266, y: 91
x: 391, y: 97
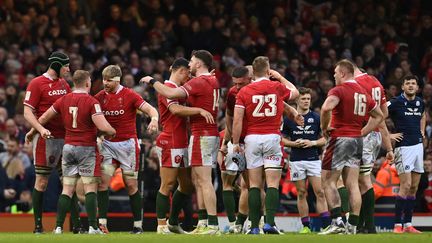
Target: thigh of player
x: 203, y: 150
x: 125, y: 152
x: 47, y: 152
x: 409, y: 158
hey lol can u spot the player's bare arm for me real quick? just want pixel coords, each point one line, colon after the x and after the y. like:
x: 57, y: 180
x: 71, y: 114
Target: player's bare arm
x: 165, y: 91
x: 306, y: 143
x: 376, y: 117
x: 423, y: 125
x: 386, y: 140
x: 45, y: 133
x: 293, y: 114
x: 237, y: 128
x: 294, y: 92
x: 228, y: 133
x: 329, y: 104
x: 152, y: 112
x: 102, y: 125
x: 32, y: 119
x: 184, y: 111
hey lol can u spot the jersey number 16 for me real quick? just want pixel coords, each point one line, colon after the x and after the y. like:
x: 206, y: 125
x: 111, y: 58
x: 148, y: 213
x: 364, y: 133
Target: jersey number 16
x: 359, y: 104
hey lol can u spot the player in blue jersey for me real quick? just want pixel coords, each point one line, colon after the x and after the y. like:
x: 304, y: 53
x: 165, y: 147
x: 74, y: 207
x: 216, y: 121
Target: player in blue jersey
x: 304, y: 163
x: 407, y: 113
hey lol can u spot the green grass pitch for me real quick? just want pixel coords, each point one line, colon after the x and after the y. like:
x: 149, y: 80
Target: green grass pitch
x: 154, y: 238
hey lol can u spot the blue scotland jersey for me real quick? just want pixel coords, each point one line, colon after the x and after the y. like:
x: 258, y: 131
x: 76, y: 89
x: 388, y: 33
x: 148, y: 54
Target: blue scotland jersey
x: 406, y: 116
x: 311, y: 131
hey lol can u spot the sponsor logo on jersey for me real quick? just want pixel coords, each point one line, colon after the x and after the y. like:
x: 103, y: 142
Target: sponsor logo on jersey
x: 412, y: 112
x: 310, y: 120
x: 113, y: 113
x: 304, y: 130
x: 57, y: 92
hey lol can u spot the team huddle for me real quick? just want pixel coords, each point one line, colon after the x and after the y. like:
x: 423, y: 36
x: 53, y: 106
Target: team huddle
x: 88, y: 138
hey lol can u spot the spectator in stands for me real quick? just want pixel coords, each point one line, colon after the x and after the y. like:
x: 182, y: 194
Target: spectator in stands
x: 12, y: 154
x: 7, y: 194
x: 428, y: 190
x: 386, y: 185
x: 13, y: 131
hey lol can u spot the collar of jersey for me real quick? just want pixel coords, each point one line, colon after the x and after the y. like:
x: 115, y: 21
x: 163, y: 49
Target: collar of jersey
x: 46, y: 75
x: 118, y: 90
x: 171, y: 82
x: 204, y: 74
x: 350, y: 81
x: 405, y: 98
x: 361, y: 74
x: 259, y: 79
x: 80, y: 92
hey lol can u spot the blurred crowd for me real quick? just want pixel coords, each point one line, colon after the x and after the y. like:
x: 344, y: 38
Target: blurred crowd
x: 303, y: 39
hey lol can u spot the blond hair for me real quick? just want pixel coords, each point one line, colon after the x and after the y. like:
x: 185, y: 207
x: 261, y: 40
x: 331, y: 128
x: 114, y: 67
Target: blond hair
x: 111, y: 71
x: 260, y: 66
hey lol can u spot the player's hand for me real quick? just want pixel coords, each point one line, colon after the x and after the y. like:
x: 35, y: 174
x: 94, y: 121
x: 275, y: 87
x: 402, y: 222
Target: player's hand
x: 275, y: 74
x: 237, y: 149
x: 45, y: 133
x: 390, y: 156
x: 208, y: 116
x: 213, y: 72
x: 29, y: 137
x: 146, y: 79
x: 298, y: 143
x: 223, y: 149
x: 299, y: 119
x: 396, y: 137
x: 327, y: 131
x: 221, y: 154
x: 153, y: 127
x: 306, y: 143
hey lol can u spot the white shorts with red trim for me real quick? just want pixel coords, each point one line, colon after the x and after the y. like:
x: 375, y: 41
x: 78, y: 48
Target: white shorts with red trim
x: 47, y: 152
x: 263, y: 150
x: 126, y: 153
x: 203, y: 150
x: 172, y: 157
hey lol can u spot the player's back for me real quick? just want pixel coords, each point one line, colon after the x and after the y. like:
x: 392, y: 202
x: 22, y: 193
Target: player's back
x: 203, y: 92
x: 76, y: 110
x: 174, y: 127
x: 349, y: 115
x: 263, y: 104
x: 372, y: 86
